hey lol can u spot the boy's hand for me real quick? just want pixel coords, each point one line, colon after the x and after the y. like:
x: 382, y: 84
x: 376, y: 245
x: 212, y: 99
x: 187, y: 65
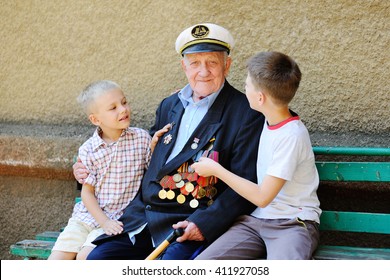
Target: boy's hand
x: 158, y: 134
x: 79, y: 171
x: 112, y: 227
x: 205, y: 167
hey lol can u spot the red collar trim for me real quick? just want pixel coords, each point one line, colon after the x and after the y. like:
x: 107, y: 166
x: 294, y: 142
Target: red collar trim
x: 279, y: 125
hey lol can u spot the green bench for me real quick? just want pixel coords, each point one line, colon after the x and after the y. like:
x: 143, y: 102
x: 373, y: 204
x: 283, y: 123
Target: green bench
x: 38, y: 248
x: 371, y: 225
x: 333, y: 222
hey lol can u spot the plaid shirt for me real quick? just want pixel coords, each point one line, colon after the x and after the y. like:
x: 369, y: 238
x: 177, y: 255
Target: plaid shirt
x: 115, y: 170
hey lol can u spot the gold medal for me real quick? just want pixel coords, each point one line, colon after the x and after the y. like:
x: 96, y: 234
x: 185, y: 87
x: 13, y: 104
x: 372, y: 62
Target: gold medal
x: 201, y: 192
x: 170, y: 194
x: 181, y: 198
x: 176, y: 178
x: 162, y: 194
x: 213, y: 191
x: 194, y: 203
x: 189, y: 187
x: 210, y: 202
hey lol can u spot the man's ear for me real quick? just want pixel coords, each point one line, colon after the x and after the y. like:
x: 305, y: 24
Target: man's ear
x: 94, y: 119
x: 227, y: 66
x: 183, y: 64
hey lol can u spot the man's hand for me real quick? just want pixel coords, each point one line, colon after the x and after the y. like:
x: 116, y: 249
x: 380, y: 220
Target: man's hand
x: 191, y: 231
x: 79, y: 171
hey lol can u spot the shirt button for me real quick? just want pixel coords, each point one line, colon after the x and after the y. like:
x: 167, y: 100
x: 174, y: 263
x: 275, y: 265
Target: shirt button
x: 148, y: 207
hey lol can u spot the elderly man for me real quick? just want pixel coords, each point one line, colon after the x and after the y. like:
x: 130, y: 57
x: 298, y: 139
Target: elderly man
x: 208, y: 117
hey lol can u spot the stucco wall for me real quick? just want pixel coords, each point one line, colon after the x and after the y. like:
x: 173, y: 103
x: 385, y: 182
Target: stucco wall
x: 50, y: 50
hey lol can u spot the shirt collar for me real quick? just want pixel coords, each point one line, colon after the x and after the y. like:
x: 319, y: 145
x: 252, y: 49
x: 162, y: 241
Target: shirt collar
x: 97, y: 140
x: 185, y: 96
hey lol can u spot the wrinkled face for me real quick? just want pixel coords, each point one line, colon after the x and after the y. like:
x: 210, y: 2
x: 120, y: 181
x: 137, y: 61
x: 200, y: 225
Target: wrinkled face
x: 111, y: 110
x: 205, y: 72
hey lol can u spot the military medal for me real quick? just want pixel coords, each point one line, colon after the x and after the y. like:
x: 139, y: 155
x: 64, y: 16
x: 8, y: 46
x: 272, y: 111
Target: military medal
x: 201, y: 192
x: 202, y: 189
x: 189, y: 187
x: 184, y: 191
x: 195, y: 144
x: 181, y: 198
x: 180, y: 184
x: 212, y: 192
x: 192, y: 176
x: 170, y: 194
x: 162, y: 194
x: 167, y: 139
x: 194, y: 203
x: 166, y: 183
x: 203, y: 181
x: 176, y: 178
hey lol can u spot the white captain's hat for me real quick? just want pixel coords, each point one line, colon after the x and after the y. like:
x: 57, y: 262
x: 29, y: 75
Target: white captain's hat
x: 204, y: 37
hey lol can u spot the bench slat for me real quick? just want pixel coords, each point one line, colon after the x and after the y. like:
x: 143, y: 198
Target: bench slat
x: 353, y: 151
x: 326, y: 252
x: 47, y: 235
x: 354, y: 171
x: 355, y: 222
x: 38, y: 249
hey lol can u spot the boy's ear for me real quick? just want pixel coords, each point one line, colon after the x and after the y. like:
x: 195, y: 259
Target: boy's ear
x: 94, y: 119
x: 261, y: 97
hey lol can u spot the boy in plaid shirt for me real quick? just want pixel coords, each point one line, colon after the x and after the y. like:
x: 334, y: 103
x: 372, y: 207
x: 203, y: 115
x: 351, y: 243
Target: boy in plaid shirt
x: 116, y: 157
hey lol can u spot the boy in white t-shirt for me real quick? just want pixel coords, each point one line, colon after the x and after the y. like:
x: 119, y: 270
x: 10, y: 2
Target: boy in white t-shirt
x: 285, y: 225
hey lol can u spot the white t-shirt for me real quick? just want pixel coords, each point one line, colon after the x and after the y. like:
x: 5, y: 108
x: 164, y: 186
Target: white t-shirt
x: 285, y: 152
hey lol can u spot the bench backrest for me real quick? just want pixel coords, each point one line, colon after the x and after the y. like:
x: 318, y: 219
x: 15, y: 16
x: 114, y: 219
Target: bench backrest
x: 354, y: 171
x: 355, y: 222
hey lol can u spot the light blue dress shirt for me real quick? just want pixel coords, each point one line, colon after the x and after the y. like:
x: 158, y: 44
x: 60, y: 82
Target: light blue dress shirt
x: 193, y: 115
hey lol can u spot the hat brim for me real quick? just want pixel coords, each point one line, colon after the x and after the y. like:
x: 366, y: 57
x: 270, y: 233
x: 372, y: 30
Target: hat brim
x: 205, y: 47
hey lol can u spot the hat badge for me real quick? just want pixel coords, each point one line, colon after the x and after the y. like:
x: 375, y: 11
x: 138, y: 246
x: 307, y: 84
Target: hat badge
x: 200, y: 31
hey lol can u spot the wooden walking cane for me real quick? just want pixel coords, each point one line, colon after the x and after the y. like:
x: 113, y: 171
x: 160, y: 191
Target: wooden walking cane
x: 171, y: 237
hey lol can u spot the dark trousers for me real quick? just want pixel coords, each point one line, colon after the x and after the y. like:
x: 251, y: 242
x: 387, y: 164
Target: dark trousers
x: 120, y: 247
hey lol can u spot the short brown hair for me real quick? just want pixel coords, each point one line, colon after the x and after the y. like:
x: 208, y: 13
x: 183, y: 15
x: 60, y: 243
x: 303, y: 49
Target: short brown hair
x: 275, y: 73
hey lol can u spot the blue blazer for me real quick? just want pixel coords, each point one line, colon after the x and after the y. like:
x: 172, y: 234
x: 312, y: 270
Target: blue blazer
x: 236, y: 128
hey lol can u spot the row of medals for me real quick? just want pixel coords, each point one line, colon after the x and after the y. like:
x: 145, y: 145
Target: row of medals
x: 204, y: 188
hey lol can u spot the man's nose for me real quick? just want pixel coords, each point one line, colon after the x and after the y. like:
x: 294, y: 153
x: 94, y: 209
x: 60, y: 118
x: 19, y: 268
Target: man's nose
x: 204, y: 70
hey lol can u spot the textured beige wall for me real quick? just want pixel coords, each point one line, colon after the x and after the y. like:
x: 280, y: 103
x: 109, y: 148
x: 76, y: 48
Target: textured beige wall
x: 50, y: 50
